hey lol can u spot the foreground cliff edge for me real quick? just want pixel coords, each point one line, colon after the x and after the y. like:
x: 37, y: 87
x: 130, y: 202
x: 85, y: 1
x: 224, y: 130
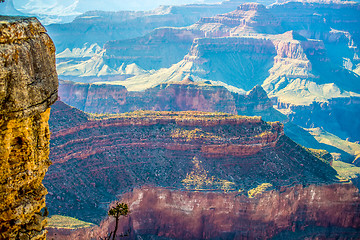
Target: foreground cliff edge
x: 28, y: 86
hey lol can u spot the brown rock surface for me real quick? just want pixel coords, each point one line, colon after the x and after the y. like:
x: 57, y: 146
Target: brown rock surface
x: 28, y: 86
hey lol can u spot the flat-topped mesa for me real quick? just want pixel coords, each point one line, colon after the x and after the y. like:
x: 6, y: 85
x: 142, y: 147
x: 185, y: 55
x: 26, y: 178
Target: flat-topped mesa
x: 188, y: 119
x: 251, y: 6
x: 28, y: 86
x: 253, y: 15
x: 185, y: 95
x: 202, y: 46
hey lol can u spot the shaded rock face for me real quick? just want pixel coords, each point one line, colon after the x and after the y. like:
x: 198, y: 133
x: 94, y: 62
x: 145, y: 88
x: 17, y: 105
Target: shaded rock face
x: 182, y: 96
x: 28, y: 86
x: 325, y: 212
x: 240, y: 62
x: 97, y: 159
x: 341, y: 111
x: 340, y: 16
x: 93, y: 98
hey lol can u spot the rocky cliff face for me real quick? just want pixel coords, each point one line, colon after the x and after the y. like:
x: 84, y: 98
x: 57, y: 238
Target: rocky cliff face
x: 28, y: 86
x: 247, y: 16
x: 186, y: 95
x: 325, y: 212
x: 96, y: 159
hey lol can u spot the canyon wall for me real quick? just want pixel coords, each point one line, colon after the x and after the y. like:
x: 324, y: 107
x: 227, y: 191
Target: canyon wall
x: 177, y: 96
x: 28, y: 86
x: 314, y: 212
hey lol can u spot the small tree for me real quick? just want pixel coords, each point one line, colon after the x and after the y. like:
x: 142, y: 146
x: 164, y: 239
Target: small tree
x: 120, y: 209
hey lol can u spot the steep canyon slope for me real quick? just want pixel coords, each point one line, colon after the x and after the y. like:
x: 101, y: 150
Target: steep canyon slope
x: 303, y: 54
x: 28, y: 86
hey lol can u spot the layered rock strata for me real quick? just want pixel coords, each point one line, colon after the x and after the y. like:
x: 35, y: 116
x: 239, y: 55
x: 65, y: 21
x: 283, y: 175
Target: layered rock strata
x: 97, y: 158
x: 177, y: 96
x: 314, y: 212
x: 28, y: 86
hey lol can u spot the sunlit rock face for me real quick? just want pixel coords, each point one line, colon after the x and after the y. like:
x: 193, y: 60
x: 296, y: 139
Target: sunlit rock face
x: 185, y: 95
x: 28, y: 86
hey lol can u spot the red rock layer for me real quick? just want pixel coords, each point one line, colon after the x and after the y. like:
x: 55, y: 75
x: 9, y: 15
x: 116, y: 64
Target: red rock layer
x: 186, y: 96
x: 164, y: 97
x: 313, y: 212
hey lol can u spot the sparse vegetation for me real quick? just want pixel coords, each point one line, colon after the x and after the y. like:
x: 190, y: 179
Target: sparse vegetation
x: 322, y: 136
x: 321, y: 154
x: 259, y: 189
x: 183, y: 115
x: 195, y: 134
x: 198, y: 179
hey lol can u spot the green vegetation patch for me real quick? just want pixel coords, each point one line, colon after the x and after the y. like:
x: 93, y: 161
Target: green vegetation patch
x: 58, y: 221
x: 346, y: 171
x: 321, y: 154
